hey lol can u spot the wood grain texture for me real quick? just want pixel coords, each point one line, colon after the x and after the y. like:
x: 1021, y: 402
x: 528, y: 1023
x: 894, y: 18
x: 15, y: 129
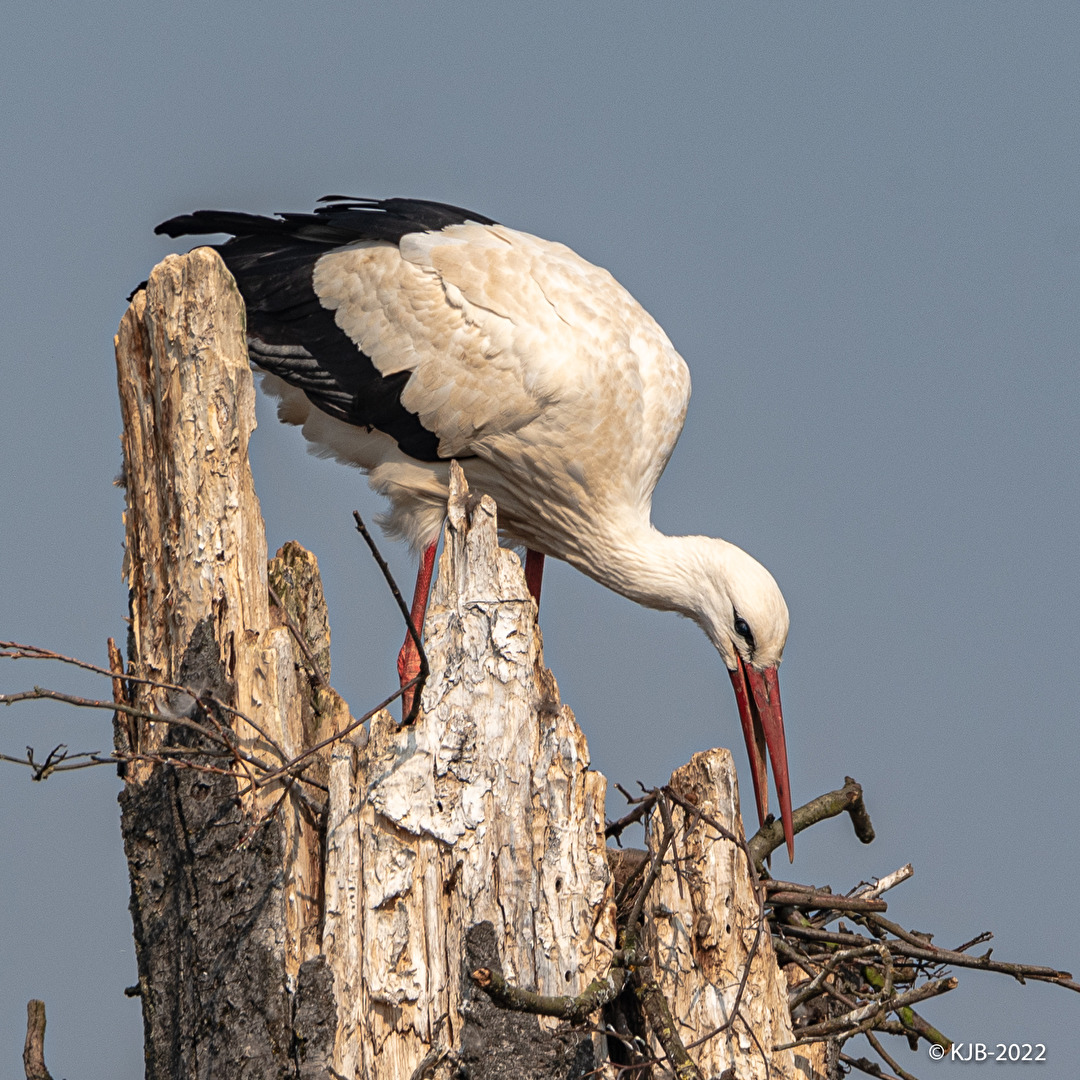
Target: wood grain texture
x: 701, y: 928
x: 226, y: 897
x: 483, y: 812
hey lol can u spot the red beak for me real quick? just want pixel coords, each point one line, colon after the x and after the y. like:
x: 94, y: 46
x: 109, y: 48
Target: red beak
x: 758, y: 695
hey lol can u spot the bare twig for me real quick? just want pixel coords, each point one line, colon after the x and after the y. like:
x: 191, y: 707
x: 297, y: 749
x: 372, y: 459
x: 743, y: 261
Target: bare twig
x: 871, y: 1068
x: 414, y: 633
x: 296, y: 764
x: 889, y: 881
x: 805, y: 991
x: 880, y: 1050
x: 573, y: 1009
x: 616, y: 828
x: 879, y: 922
x: 978, y: 939
x: 654, y: 872
x: 849, y: 798
x: 842, y: 1025
x: 42, y: 693
x: 14, y: 650
x: 792, y: 955
x: 948, y: 957
x: 826, y: 900
x: 11, y: 650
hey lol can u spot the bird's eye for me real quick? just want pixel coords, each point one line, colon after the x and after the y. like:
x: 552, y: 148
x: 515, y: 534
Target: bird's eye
x: 742, y: 628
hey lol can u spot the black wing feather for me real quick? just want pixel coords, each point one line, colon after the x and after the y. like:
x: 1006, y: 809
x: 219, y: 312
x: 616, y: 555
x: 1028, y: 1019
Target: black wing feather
x: 290, y: 333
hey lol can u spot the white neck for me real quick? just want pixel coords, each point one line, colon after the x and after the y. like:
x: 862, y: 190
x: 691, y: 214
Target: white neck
x: 710, y: 581
x: 670, y: 573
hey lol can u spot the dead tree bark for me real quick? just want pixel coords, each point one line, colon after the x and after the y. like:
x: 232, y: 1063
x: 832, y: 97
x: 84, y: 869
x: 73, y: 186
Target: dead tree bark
x: 318, y: 914
x: 707, y: 929
x: 34, y: 1049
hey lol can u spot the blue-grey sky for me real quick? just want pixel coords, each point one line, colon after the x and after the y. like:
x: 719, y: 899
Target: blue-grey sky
x: 859, y: 223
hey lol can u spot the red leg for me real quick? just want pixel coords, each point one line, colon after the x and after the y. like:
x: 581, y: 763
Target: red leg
x: 534, y: 572
x: 408, y: 661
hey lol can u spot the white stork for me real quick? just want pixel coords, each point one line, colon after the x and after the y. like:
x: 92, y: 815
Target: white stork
x: 400, y: 334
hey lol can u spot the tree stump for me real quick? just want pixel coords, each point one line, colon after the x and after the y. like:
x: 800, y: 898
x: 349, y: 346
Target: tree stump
x: 481, y: 822
x: 317, y: 914
x: 703, y: 928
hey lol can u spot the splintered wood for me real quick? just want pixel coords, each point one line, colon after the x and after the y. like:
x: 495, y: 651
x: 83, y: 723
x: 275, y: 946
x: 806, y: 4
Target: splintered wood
x: 196, y: 561
x: 484, y: 810
x: 703, y: 928
x: 195, y: 550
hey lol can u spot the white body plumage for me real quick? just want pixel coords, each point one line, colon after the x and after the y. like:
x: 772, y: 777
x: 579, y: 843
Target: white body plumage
x: 559, y: 393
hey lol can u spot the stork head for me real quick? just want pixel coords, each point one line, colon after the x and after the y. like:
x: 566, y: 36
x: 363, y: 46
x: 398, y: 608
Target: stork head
x: 747, y: 620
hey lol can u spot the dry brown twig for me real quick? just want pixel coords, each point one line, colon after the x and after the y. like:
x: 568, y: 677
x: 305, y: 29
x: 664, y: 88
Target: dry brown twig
x: 257, y: 772
x: 848, y: 799
x: 406, y: 614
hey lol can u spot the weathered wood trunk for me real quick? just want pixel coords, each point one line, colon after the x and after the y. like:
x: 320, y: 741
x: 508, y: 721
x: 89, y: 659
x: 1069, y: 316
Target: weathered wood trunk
x: 703, y: 929
x: 225, y: 883
x: 320, y: 919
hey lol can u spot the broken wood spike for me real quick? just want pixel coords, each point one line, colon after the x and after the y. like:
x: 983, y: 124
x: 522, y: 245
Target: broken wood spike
x: 34, y: 1048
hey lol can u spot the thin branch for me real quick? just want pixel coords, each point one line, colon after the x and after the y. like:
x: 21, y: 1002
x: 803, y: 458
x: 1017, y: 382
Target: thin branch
x: 41, y: 693
x: 414, y: 633
x: 889, y: 881
x: 650, y: 878
x: 943, y: 956
x: 868, y: 1012
x: 978, y: 939
x: 815, y: 900
x: 572, y: 1009
x: 218, y: 704
x: 12, y: 650
x: 616, y: 828
x: 918, y: 940
x: 792, y: 955
x: 880, y: 1050
x: 222, y: 736
x: 847, y: 799
x: 297, y: 763
x: 913, y: 1023
x: 808, y: 990
x: 871, y: 1068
